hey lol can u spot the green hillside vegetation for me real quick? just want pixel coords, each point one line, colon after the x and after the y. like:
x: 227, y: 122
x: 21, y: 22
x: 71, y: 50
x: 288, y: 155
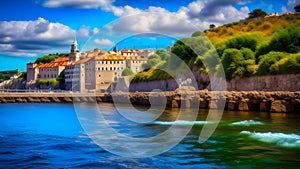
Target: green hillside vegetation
x: 264, y: 26
x: 49, y: 58
x: 5, y: 75
x: 257, y: 47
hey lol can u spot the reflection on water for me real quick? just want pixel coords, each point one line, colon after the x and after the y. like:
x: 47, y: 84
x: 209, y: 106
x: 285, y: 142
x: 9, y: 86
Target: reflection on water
x: 50, y: 136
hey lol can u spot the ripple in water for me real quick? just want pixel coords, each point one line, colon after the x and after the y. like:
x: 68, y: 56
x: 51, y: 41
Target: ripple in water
x: 247, y: 123
x: 181, y: 122
x: 281, y: 139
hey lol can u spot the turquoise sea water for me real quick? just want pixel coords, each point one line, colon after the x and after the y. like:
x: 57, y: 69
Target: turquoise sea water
x: 50, y: 136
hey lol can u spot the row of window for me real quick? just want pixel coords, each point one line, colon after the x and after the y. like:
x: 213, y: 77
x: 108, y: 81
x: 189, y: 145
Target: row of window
x: 47, y: 76
x: 48, y: 69
x: 72, y: 72
x: 110, y: 68
x: 110, y: 62
x: 138, y: 61
x: 72, y: 76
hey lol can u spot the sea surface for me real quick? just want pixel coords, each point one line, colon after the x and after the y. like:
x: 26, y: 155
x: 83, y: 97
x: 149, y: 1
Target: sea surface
x: 50, y: 136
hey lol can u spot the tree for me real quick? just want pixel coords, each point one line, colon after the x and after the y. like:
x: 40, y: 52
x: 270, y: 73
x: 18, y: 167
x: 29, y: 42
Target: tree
x: 267, y: 60
x: 164, y: 55
x: 197, y: 33
x: 127, y: 72
x: 257, y: 13
x: 297, y: 8
x: 231, y: 59
x: 152, y: 61
x: 61, y: 80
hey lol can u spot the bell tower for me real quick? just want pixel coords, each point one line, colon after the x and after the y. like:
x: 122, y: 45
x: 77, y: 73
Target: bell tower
x: 74, y: 53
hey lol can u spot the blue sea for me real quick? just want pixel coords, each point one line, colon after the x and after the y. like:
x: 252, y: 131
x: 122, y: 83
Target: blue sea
x: 50, y: 136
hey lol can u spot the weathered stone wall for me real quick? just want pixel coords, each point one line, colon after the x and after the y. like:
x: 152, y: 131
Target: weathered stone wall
x: 235, y: 101
x: 164, y: 85
x: 261, y: 83
x: 266, y: 83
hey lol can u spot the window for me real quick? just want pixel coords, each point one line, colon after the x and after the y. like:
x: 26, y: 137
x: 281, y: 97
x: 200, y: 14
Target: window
x: 99, y: 75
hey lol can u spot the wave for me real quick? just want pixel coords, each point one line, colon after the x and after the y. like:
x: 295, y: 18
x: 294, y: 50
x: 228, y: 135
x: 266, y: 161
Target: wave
x: 181, y: 122
x: 281, y: 139
x: 247, y: 123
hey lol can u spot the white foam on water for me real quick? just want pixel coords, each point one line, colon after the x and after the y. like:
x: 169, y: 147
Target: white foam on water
x: 181, y: 122
x: 247, y: 123
x: 281, y: 139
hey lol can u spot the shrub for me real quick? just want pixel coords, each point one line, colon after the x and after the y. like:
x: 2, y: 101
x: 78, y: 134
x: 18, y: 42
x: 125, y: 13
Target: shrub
x: 127, y: 72
x: 267, y: 61
x: 48, y: 82
x: 246, y: 41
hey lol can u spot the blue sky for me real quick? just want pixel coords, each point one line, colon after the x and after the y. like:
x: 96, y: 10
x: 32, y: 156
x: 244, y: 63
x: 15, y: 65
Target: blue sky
x: 32, y: 28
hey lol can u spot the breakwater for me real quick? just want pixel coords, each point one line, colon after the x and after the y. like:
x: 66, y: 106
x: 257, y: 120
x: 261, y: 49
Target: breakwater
x: 234, y: 100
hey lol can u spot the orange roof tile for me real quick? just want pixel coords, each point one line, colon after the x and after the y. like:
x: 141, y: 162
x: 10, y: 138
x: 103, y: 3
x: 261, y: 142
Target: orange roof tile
x: 136, y: 51
x: 63, y: 61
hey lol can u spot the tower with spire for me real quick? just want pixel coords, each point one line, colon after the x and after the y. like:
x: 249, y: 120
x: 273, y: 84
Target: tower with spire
x: 74, y: 53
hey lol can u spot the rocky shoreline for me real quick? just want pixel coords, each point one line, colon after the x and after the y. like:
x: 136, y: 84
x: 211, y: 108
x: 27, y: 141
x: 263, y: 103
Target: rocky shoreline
x: 234, y: 100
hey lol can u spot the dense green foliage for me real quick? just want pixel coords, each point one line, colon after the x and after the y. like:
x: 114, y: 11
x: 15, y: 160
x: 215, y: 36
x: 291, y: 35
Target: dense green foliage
x: 152, y: 61
x: 23, y: 76
x: 127, y: 72
x: 5, y: 75
x: 257, y: 13
x: 297, y: 8
x: 267, y: 46
x: 50, y: 58
x: 285, y: 39
x: 61, y: 80
x: 48, y: 82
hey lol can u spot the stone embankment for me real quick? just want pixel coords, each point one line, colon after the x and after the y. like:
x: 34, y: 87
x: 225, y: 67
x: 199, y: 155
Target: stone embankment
x: 182, y: 97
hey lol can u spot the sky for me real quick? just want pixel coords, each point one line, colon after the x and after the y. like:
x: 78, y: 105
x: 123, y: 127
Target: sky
x: 33, y: 28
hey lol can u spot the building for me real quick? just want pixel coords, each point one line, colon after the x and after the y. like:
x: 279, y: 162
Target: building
x: 46, y: 70
x: 135, y: 52
x: 98, y: 71
x: 272, y: 15
x: 89, y: 71
x: 287, y: 13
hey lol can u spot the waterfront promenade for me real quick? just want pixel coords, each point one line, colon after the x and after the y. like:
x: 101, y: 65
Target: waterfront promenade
x: 280, y: 101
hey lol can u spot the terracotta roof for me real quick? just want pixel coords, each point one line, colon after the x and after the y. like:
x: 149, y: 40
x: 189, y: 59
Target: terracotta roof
x: 110, y: 56
x: 135, y: 51
x: 135, y: 58
x: 83, y: 60
x: 62, y: 61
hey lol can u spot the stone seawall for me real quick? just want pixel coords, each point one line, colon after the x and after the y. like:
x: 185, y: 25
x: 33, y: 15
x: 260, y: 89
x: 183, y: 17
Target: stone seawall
x: 266, y: 83
x: 235, y: 101
x: 289, y: 82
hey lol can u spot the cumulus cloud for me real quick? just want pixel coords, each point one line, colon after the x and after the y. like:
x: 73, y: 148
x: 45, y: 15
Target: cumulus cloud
x: 104, y: 42
x: 290, y: 5
x: 198, y: 14
x: 28, y: 38
x: 201, y: 13
x: 83, y: 4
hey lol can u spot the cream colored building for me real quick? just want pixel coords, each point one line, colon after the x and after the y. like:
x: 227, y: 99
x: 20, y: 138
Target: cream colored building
x: 136, y: 52
x: 89, y: 71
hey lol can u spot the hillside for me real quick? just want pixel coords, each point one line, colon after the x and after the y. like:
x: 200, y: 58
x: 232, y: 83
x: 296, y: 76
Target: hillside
x: 264, y: 26
x: 257, y: 47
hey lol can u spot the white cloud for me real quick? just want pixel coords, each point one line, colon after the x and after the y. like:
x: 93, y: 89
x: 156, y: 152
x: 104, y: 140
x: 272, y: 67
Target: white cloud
x: 96, y: 31
x: 290, y: 6
x: 84, y: 32
x: 84, y: 4
x: 184, y: 21
x: 29, y: 38
x: 201, y: 13
x: 104, y: 42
